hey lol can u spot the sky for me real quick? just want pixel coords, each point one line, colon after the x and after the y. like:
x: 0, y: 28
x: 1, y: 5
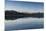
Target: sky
x: 29, y: 0
x: 21, y: 6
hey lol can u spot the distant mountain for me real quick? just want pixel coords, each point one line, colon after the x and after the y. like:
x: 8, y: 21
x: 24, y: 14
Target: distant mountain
x: 11, y: 15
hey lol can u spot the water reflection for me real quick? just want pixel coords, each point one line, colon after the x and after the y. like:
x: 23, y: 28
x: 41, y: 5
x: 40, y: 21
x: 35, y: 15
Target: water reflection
x: 24, y: 23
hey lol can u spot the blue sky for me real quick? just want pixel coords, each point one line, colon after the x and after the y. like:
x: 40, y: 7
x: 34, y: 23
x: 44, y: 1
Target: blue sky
x: 21, y: 6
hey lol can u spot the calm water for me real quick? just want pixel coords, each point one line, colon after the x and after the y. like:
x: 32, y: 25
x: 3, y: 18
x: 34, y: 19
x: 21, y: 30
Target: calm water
x: 24, y: 23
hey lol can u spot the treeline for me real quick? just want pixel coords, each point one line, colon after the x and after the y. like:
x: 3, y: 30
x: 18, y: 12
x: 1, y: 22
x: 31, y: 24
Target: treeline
x: 11, y: 15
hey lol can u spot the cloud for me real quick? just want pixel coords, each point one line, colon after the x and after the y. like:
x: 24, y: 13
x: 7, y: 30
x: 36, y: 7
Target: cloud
x: 30, y: 10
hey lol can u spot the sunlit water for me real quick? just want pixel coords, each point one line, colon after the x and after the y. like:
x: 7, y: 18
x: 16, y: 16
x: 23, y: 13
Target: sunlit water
x: 24, y: 23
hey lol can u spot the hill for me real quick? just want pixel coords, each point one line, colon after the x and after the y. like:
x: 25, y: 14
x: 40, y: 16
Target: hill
x: 11, y: 15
